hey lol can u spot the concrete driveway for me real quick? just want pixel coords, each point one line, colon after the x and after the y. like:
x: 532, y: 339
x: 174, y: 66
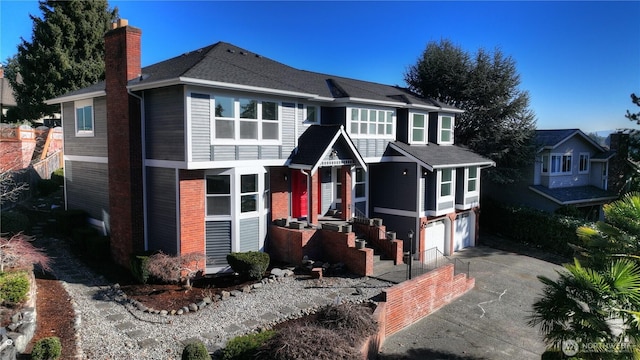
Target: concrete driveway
x: 490, y: 321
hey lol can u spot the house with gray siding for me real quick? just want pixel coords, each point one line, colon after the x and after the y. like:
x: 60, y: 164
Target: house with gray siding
x: 201, y: 152
x: 570, y: 169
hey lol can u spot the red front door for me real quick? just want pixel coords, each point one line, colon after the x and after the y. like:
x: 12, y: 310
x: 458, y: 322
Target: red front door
x: 299, y: 194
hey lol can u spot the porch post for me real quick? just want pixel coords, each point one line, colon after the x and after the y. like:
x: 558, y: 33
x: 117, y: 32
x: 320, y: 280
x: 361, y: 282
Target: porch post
x: 312, y: 211
x: 345, y: 179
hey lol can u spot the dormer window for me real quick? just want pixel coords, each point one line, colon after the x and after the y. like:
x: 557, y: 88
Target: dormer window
x: 418, y: 128
x: 445, y: 129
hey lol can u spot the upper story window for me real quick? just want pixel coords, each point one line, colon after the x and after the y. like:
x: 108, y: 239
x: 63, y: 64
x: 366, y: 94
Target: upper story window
x: 371, y: 123
x: 445, y: 129
x: 472, y: 179
x: 218, y: 195
x: 418, y: 128
x: 545, y: 164
x: 360, y: 183
x: 561, y: 164
x: 583, y: 166
x: 311, y: 114
x: 84, y: 117
x: 246, y: 119
x: 445, y: 181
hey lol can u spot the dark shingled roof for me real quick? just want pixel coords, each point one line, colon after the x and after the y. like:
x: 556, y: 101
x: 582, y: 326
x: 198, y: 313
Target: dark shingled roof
x: 227, y: 63
x: 313, y: 143
x: 552, y: 137
x: 575, y: 195
x: 441, y: 155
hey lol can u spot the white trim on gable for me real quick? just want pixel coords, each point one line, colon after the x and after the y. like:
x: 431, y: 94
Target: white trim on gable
x: 70, y: 98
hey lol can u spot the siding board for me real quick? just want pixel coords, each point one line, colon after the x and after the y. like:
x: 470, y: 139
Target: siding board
x: 218, y: 242
x: 250, y: 234
x: 161, y: 210
x: 200, y: 127
x: 86, y: 185
x: 164, y: 123
x: 95, y: 145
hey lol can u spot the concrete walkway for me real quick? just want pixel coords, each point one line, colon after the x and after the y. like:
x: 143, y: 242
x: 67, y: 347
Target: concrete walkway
x: 489, y: 322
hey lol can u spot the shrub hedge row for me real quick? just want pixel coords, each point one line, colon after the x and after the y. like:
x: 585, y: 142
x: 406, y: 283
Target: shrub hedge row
x: 551, y: 232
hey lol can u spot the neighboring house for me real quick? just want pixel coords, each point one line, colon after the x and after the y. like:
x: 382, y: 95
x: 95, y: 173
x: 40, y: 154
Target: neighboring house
x: 7, y: 100
x: 570, y: 169
x: 202, y: 151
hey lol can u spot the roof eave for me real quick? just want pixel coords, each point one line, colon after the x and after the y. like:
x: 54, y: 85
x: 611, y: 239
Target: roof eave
x: 63, y: 99
x: 572, y: 202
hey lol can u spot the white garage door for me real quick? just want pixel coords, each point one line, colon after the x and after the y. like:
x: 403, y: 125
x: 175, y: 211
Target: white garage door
x: 463, y: 232
x: 436, y: 235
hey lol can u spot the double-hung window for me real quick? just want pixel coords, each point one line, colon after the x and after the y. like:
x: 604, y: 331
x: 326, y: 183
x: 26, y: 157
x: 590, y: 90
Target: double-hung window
x: 84, y: 117
x: 246, y: 119
x: 311, y: 114
x: 418, y: 128
x: 248, y: 193
x: 218, y: 195
x: 472, y: 179
x: 445, y: 136
x: 561, y: 164
x: 372, y: 123
x: 360, y: 183
x: 583, y: 167
x: 445, y: 179
x: 545, y: 164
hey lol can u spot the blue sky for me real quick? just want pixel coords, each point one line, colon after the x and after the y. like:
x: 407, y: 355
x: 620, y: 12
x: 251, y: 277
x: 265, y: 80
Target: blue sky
x: 579, y: 61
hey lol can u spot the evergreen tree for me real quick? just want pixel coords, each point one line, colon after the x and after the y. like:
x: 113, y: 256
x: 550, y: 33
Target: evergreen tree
x: 497, y: 122
x: 66, y: 53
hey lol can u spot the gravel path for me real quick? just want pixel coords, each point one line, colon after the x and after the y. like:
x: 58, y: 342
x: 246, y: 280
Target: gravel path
x: 110, y: 328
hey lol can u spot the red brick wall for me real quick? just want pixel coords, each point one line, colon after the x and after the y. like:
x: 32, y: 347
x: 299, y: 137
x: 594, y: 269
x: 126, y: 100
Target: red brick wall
x: 192, y: 211
x: 280, y: 192
x: 378, y: 236
x: 16, y: 154
x: 289, y: 245
x: 313, y: 195
x: 414, y: 299
x: 122, y: 63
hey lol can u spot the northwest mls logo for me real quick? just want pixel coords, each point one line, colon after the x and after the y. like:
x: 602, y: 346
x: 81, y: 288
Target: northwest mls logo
x: 570, y: 347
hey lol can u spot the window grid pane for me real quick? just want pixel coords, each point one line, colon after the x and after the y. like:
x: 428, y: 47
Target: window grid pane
x: 248, y: 109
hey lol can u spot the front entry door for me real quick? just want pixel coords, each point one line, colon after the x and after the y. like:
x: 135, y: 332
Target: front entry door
x: 299, y: 194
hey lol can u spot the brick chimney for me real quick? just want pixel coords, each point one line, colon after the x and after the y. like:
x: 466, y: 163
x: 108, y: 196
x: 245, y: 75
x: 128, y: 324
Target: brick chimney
x: 122, y: 63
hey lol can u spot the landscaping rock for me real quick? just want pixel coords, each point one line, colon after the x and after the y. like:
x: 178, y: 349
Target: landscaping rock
x: 193, y: 307
x: 207, y: 300
x: 277, y: 272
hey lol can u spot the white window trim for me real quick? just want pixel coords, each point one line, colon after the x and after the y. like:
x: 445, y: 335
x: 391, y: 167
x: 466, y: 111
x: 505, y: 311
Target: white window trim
x: 232, y: 206
x: 360, y: 199
x: 439, y: 186
x: 467, y: 179
x: 588, y: 156
x: 425, y: 128
x: 236, y: 120
x: 548, y: 163
x: 82, y: 104
x: 369, y: 136
x: 560, y: 173
x: 453, y: 127
x: 305, y: 114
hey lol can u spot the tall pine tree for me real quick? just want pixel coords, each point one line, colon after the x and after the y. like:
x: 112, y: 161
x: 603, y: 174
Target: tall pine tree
x: 66, y: 53
x: 497, y: 122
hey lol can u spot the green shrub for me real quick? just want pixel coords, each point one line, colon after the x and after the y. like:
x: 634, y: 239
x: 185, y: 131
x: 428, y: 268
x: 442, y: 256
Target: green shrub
x: 58, y: 176
x: 139, y: 268
x: 551, y: 232
x: 14, y: 287
x: 250, y: 264
x: 245, y: 347
x: 98, y: 247
x: 195, y: 351
x: 13, y: 222
x: 48, y: 348
x: 47, y: 187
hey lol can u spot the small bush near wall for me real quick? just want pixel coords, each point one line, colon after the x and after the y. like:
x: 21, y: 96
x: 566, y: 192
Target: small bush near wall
x: 13, y: 222
x: 250, y: 264
x: 551, y: 232
x: 245, y: 347
x: 58, y: 176
x: 13, y: 287
x: 195, y: 351
x: 139, y: 268
x: 48, y: 348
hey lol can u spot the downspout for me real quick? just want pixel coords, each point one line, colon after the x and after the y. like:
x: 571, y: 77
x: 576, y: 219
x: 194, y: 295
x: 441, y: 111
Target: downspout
x: 309, y: 201
x: 144, y: 172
